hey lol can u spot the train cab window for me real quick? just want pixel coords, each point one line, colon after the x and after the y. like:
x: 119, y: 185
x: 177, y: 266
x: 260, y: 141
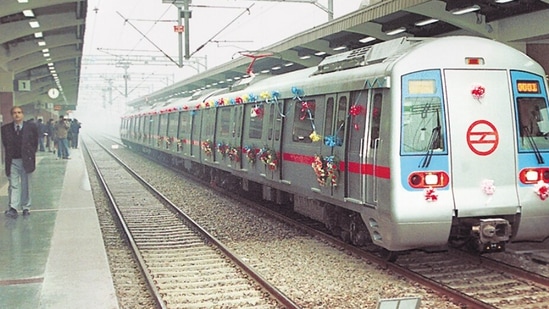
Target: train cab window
x: 256, y: 121
x: 304, y: 117
x: 533, y: 123
x: 422, y: 128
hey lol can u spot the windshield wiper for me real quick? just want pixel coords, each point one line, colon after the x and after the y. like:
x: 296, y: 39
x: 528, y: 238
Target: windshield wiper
x: 533, y: 144
x: 433, y: 140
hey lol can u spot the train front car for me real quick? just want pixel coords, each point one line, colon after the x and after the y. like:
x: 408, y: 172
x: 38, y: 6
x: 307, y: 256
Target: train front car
x: 473, y: 154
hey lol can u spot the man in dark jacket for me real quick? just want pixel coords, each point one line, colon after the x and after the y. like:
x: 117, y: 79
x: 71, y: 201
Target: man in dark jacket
x: 20, y: 140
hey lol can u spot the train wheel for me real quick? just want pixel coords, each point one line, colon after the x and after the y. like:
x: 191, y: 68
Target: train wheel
x: 388, y: 255
x: 358, y: 232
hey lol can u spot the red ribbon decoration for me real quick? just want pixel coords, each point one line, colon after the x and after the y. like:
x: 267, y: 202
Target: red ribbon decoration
x: 355, y: 110
x: 478, y: 92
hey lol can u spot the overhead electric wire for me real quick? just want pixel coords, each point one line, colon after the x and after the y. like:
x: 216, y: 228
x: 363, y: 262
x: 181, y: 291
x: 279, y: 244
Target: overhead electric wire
x: 149, y: 40
x: 222, y: 29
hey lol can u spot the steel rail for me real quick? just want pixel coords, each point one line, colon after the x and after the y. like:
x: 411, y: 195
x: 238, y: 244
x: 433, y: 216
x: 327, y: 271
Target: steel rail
x: 267, y: 286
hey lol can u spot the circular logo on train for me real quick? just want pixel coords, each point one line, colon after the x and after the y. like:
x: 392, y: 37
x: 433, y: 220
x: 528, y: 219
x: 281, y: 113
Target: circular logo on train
x: 482, y: 137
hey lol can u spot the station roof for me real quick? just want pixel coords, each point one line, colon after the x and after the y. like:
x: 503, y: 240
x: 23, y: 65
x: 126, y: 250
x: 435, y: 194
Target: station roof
x: 512, y: 22
x: 41, y: 48
x: 49, y: 56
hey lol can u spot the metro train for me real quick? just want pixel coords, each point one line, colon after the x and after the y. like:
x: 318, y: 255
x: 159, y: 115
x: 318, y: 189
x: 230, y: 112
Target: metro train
x: 412, y: 143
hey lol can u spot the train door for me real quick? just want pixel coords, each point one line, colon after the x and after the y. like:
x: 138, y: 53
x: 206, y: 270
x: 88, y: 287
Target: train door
x: 235, y: 140
x: 183, y: 137
x: 372, y: 168
x: 153, y: 130
x: 357, y: 146
x: 207, y: 141
x: 332, y: 150
x: 274, y: 117
x: 162, y: 130
x: 223, y: 134
x: 194, y: 139
x: 481, y: 141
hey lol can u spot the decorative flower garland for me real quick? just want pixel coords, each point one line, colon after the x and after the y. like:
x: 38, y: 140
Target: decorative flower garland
x: 542, y: 190
x: 318, y: 168
x: 234, y: 154
x: 332, y: 171
x: 223, y: 149
x: 326, y: 170
x: 207, y: 147
x: 251, y: 154
x: 431, y: 194
x: 269, y: 158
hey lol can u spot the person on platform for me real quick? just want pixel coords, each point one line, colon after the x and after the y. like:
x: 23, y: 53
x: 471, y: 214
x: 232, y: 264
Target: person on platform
x: 50, y: 138
x: 20, y: 141
x: 62, y: 132
x: 41, y: 134
x: 75, y: 131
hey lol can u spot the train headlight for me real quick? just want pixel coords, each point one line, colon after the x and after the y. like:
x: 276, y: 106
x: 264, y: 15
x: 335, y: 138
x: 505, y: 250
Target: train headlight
x: 533, y: 175
x: 433, y: 179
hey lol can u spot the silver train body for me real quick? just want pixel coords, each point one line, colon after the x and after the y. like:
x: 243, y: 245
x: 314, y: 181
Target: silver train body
x: 411, y: 143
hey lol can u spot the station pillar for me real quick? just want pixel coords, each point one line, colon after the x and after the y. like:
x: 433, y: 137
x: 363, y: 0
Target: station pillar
x: 6, y: 95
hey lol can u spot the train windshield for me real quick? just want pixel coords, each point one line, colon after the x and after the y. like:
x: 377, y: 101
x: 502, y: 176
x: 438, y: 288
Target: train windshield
x: 533, y: 124
x: 423, y: 130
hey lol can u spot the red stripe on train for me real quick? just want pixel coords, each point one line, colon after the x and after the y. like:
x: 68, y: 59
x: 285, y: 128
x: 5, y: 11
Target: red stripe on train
x: 354, y: 167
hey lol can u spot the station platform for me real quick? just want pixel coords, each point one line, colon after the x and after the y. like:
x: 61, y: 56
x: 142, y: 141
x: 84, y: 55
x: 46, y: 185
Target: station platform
x: 55, y: 257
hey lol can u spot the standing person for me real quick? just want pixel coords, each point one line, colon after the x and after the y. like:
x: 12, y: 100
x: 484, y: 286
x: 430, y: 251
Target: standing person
x: 20, y: 141
x: 61, y: 133
x: 50, y: 131
x: 41, y: 134
x: 75, y: 130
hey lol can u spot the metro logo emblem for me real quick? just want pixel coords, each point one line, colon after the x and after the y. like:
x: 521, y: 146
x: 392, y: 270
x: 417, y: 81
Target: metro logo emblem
x: 482, y: 137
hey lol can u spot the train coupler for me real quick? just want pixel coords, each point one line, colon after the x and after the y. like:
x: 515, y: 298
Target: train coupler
x: 492, y: 234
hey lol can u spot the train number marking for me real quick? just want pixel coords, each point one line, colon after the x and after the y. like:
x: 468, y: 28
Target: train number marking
x: 482, y: 137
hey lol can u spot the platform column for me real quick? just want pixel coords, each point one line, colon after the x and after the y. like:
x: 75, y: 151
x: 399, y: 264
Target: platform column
x: 6, y: 102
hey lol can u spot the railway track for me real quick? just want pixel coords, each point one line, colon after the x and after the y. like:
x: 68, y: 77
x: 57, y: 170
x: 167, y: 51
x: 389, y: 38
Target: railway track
x: 493, y: 284
x: 470, y: 281
x: 184, y: 265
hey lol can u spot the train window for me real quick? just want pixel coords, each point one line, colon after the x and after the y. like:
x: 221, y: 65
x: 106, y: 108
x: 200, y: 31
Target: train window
x: 208, y: 123
x: 422, y: 128
x: 172, y: 124
x: 304, y: 117
x: 224, y: 122
x: 256, y: 120
x: 271, y: 117
x: 162, y: 125
x: 184, y: 123
x: 328, y: 130
x: 375, y: 119
x: 341, y: 117
x: 533, y: 123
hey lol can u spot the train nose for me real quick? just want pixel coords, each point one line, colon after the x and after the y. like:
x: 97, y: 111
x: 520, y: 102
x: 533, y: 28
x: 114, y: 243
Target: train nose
x: 492, y: 234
